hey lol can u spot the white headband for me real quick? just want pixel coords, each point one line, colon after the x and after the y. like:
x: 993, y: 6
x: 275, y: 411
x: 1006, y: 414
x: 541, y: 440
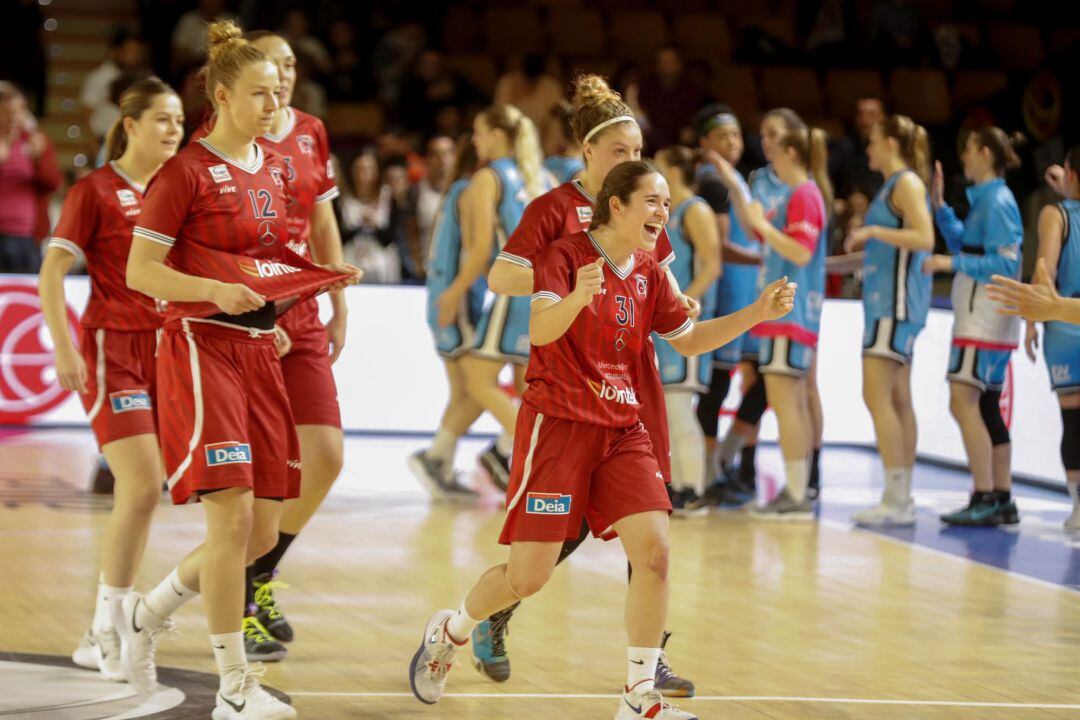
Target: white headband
x: 606, y: 123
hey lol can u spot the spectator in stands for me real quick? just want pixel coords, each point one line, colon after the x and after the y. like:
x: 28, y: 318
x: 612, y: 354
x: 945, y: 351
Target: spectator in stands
x: 401, y: 232
x: 669, y: 98
x: 857, y: 183
x: 308, y: 95
x: 365, y: 216
x: 430, y: 87
x: 189, y: 37
x: 530, y: 89
x: 350, y: 78
x: 395, y: 55
x: 427, y: 193
x: 125, y: 53
x: 29, y: 174
x: 296, y: 29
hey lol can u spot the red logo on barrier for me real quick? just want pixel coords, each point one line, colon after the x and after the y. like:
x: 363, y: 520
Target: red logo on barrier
x: 28, y: 384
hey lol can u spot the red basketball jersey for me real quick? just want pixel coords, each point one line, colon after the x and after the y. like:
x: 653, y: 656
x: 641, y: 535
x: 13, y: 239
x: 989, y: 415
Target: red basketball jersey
x: 305, y: 150
x: 96, y: 221
x: 559, y: 213
x: 226, y: 220
x: 593, y: 372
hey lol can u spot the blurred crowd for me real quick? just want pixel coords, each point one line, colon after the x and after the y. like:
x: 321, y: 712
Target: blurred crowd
x: 384, y: 54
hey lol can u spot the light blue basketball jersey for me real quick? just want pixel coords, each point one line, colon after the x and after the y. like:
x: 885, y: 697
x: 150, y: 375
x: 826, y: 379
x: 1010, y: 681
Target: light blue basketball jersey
x: 894, y: 285
x: 444, y: 262
x: 564, y: 167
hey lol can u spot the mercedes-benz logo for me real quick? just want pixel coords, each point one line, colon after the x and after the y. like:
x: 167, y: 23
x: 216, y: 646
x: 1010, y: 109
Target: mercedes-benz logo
x: 267, y: 232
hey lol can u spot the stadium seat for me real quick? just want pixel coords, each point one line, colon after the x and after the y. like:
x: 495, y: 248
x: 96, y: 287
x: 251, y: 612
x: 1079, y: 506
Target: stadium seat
x: 637, y: 34
x: 460, y: 29
x: 478, y: 69
x: 1018, y: 47
x: 844, y: 87
x: 972, y: 86
x: 703, y: 35
x: 353, y: 120
x: 513, y: 30
x: 793, y: 87
x: 921, y: 94
x: 576, y: 32
x: 736, y: 86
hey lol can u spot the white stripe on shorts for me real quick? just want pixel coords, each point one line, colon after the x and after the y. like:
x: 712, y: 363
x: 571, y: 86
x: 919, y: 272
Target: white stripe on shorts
x: 99, y: 338
x: 196, y: 392
x: 527, y: 469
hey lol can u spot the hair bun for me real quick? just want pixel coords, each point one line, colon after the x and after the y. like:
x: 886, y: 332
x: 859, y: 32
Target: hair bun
x: 590, y: 89
x: 221, y: 34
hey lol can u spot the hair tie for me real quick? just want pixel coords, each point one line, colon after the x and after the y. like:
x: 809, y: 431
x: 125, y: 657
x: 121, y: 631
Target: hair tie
x: 606, y: 123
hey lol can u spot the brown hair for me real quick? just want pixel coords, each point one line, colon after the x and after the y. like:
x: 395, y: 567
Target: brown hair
x: 682, y: 159
x: 593, y: 102
x: 790, y: 118
x: 1002, y: 146
x: 913, y: 141
x: 228, y: 53
x: 1072, y: 159
x: 134, y: 101
x: 810, y: 146
x: 562, y: 113
x: 524, y: 144
x: 621, y: 182
x: 465, y: 159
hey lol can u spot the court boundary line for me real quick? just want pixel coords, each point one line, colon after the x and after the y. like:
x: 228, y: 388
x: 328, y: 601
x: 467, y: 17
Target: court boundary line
x: 705, y: 698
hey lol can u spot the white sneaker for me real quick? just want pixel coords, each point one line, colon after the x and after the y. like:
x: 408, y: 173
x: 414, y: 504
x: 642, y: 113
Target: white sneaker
x: 886, y: 515
x: 427, y: 671
x: 137, y: 644
x: 241, y: 697
x: 1072, y: 523
x: 101, y: 653
x: 649, y: 704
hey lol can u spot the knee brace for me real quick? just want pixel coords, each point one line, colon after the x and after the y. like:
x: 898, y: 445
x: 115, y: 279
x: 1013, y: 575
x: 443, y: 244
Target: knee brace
x: 753, y: 403
x: 569, y: 546
x: 990, y: 407
x: 709, y: 403
x: 1070, y: 438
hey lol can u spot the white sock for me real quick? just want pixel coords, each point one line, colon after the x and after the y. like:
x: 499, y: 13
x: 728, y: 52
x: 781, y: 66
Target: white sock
x: 1074, y: 493
x: 505, y: 444
x: 687, y: 442
x: 443, y: 446
x: 733, y: 443
x: 461, y: 625
x: 105, y: 594
x: 164, y: 600
x: 229, y: 655
x: 896, y: 493
x: 798, y: 476
x: 909, y: 474
x: 712, y: 462
x: 641, y: 668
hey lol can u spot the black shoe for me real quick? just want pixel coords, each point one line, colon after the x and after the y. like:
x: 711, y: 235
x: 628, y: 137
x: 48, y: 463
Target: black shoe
x: 687, y: 502
x: 1008, y: 513
x: 982, y: 510
x: 497, y: 466
x: 667, y: 681
x: 258, y: 645
x: 103, y: 480
x: 268, y: 612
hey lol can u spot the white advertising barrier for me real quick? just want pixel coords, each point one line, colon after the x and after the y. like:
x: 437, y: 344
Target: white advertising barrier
x: 391, y: 381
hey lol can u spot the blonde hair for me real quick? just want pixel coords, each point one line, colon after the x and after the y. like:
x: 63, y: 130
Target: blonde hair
x: 524, y: 144
x: 228, y: 52
x: 134, y: 101
x: 594, y: 102
x: 812, y: 150
x: 913, y: 141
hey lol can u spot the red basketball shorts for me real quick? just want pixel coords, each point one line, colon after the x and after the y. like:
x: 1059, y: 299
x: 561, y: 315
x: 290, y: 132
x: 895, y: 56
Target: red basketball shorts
x: 224, y: 414
x: 309, y: 379
x: 564, y: 470
x: 653, y: 412
x: 121, y: 383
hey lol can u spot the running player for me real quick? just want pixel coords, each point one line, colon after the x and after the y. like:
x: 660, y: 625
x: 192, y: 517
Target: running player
x: 301, y: 140
x: 564, y: 162
x: 794, y: 235
x: 114, y: 371
x: 1059, y: 255
x: 506, y: 141
x: 696, y: 242
x: 897, y: 234
x: 988, y: 241
x: 434, y: 466
x: 211, y: 242
x: 719, y: 131
x: 581, y: 451
x: 609, y: 135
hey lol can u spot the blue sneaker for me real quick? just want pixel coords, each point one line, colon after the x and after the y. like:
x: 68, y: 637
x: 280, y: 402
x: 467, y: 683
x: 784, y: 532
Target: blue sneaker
x: 983, y: 510
x: 489, y: 646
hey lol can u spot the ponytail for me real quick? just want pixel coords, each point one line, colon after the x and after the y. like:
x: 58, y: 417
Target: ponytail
x: 524, y: 144
x: 134, y: 101
x: 811, y: 147
x: 913, y: 142
x: 1002, y: 147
